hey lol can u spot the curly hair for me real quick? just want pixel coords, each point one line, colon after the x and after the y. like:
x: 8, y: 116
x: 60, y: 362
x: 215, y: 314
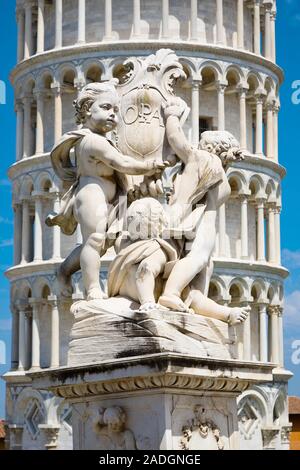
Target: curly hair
x: 88, y: 96
x: 223, y: 144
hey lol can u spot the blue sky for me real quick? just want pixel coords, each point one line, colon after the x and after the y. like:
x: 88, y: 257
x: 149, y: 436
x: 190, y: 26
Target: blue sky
x: 288, y: 57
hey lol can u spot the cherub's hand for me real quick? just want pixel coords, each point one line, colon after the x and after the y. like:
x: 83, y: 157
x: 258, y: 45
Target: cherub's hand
x: 155, y: 167
x: 174, y: 107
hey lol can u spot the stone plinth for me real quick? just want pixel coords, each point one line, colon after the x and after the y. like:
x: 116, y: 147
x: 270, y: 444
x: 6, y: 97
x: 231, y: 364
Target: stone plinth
x: 163, y: 401
x: 114, y: 328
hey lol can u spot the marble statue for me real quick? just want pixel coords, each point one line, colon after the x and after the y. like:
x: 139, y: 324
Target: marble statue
x: 163, y: 244
x: 96, y: 179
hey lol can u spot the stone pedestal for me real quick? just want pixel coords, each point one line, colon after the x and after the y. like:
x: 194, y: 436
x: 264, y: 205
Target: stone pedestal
x: 161, y: 401
x: 159, y: 381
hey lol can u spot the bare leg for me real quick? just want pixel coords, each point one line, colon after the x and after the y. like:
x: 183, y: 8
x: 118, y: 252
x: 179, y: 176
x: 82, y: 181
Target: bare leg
x: 146, y: 274
x: 187, y: 268
x: 90, y: 263
x: 209, y: 308
x: 68, y: 267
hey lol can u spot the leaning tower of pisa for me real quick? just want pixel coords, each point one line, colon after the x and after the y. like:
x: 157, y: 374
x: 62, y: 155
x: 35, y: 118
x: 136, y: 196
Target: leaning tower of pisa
x: 227, y: 48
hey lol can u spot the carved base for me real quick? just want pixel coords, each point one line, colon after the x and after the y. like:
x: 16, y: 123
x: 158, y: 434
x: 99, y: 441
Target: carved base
x: 113, y: 328
x: 157, y: 401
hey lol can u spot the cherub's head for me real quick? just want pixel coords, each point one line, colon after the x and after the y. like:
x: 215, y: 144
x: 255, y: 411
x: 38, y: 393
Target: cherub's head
x: 223, y: 144
x: 97, y: 106
x: 114, y: 418
x: 146, y: 219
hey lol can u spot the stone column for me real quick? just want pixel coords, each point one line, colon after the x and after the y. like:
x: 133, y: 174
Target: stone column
x: 275, y: 131
x: 270, y: 130
x: 240, y: 24
x: 27, y: 101
x: 220, y: 19
x: 54, y: 361
x: 17, y: 233
x: 56, y: 253
x: 247, y: 336
x: 35, y: 362
x: 273, y: 36
x: 244, y: 226
x: 81, y: 21
x: 58, y: 23
x: 22, y: 336
x: 165, y: 19
x: 39, y: 140
x: 263, y: 332
x: 195, y: 112
x: 274, y: 343
x: 57, y: 111
x: 51, y: 433
x: 16, y: 433
x: 221, y: 105
x: 194, y: 20
x: 280, y: 336
x: 136, y: 18
x: 260, y: 230
x: 38, y: 229
x: 28, y: 337
x: 259, y: 125
x: 222, y: 231
x: 19, y: 130
x: 28, y: 30
x: 108, y: 20
x: 41, y: 27
x: 257, y: 46
x: 15, y: 338
x: 277, y: 235
x: 268, y: 43
x: 21, y: 34
x: 271, y: 234
x: 243, y: 117
x: 25, y: 231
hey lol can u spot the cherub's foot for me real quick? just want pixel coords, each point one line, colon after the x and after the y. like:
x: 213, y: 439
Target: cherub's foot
x: 238, y: 315
x: 173, y: 302
x: 148, y: 307
x: 96, y: 294
x: 65, y: 285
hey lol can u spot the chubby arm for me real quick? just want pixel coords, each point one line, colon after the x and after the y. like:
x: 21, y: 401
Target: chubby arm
x: 100, y: 149
x: 177, y: 139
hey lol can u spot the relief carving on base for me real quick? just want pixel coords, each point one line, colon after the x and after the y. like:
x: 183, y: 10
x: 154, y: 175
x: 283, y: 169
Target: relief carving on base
x: 110, y: 426
x: 201, y: 433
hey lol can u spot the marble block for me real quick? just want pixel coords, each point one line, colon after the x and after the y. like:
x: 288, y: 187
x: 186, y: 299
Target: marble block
x: 114, y: 328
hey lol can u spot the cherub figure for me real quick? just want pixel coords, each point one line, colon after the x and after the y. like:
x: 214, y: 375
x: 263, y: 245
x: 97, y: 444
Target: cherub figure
x: 111, y: 427
x: 143, y: 255
x: 97, y: 182
x: 202, y: 182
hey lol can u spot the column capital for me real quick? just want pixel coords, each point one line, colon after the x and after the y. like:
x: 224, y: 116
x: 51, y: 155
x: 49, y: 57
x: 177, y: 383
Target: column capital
x: 27, y: 99
x: 56, y: 86
x: 79, y: 83
x: 18, y: 104
x: 221, y: 85
x: 51, y: 432
x: 260, y: 201
x: 40, y: 92
x: 52, y: 300
x: 22, y: 305
x: 29, y: 4
x: 274, y: 310
x: 260, y: 95
x: 262, y: 305
x: 39, y: 195
x: 35, y: 302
